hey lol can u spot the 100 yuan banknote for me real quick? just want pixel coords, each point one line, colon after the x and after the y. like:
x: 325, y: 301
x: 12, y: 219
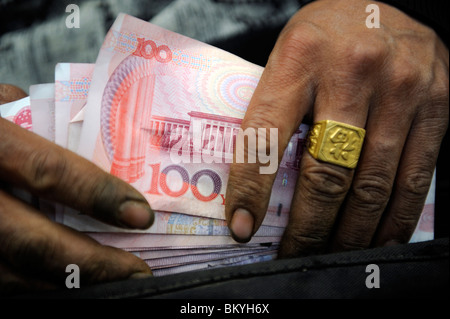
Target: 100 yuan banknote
x: 72, y: 83
x: 42, y: 105
x: 18, y: 112
x: 150, y: 89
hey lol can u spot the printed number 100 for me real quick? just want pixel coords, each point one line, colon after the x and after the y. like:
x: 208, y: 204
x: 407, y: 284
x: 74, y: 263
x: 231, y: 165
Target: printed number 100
x: 159, y: 182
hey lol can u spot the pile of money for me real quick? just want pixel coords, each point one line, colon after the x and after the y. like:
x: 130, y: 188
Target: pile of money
x: 161, y: 111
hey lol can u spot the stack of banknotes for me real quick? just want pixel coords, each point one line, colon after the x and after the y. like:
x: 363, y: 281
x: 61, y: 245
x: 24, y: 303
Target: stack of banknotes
x: 161, y: 111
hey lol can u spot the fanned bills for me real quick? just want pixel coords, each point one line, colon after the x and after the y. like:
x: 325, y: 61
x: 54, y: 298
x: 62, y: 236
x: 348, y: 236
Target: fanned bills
x: 164, y: 111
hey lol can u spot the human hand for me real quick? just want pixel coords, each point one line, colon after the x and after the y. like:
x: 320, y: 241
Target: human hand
x: 34, y: 251
x: 392, y: 81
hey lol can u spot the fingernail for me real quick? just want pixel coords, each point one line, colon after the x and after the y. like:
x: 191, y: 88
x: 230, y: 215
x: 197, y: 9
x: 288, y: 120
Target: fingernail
x: 242, y: 225
x: 140, y: 275
x: 136, y: 215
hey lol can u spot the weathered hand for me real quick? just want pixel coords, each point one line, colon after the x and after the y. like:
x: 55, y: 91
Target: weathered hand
x: 392, y: 81
x: 35, y: 251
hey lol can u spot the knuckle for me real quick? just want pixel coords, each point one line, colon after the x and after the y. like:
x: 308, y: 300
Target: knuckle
x: 252, y: 188
x: 371, y: 190
x: 325, y: 183
x: 415, y: 184
x: 34, y: 247
x: 260, y: 118
x: 301, y: 38
x: 48, y: 169
x: 404, y: 77
x: 363, y: 57
x: 299, y: 43
x: 298, y: 243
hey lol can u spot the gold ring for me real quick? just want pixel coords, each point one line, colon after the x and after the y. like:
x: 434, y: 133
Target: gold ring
x: 335, y: 142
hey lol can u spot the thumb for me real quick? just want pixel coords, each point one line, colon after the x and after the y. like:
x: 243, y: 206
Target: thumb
x: 47, y: 170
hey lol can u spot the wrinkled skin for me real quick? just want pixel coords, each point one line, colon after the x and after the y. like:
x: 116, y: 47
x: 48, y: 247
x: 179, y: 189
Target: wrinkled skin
x: 34, y: 251
x: 392, y: 81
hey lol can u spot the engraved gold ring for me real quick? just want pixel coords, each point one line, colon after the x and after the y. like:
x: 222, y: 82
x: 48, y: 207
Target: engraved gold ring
x: 335, y: 142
